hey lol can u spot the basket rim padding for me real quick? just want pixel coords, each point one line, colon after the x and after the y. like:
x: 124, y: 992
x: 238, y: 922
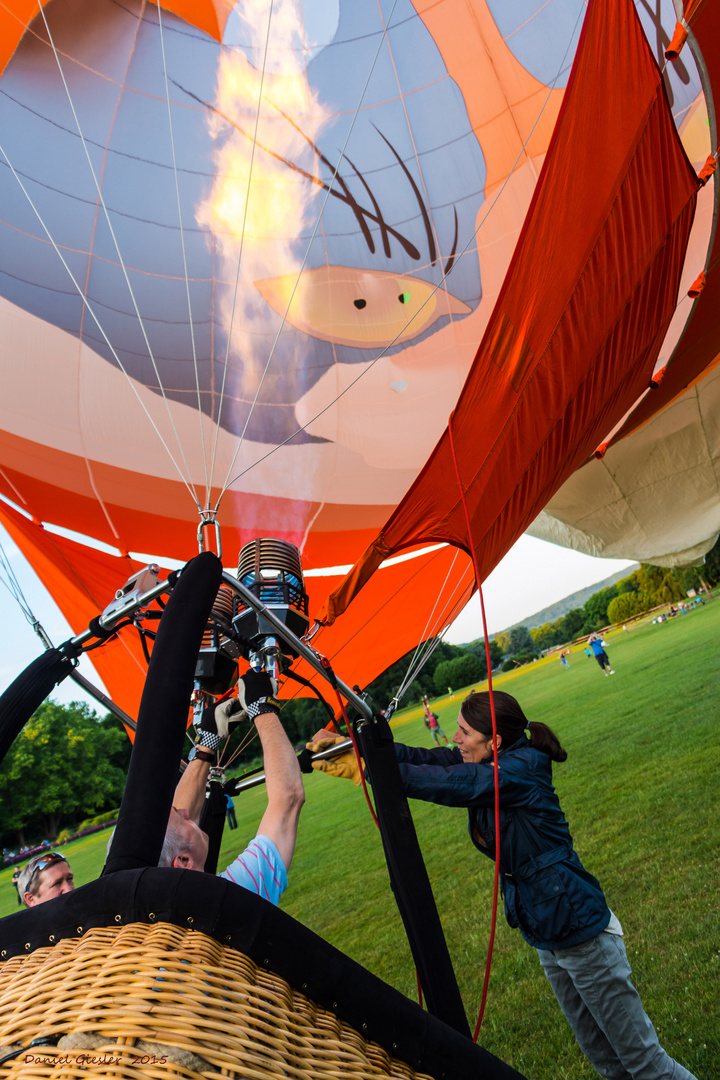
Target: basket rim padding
x: 235, y: 917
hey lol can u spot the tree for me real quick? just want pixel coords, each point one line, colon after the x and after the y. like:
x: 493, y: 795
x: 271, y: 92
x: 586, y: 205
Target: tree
x: 457, y: 673
x: 660, y: 583
x: 503, y: 642
x: 595, y: 609
x: 570, y: 625
x: 711, y: 570
x: 301, y: 718
x: 520, y: 640
x: 62, y: 766
x: 477, y: 648
x: 496, y: 654
x: 626, y: 605
x: 545, y: 636
x: 467, y: 669
x: 441, y: 678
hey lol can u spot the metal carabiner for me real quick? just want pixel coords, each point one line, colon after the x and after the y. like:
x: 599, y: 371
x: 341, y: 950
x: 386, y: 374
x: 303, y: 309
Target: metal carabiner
x: 207, y: 518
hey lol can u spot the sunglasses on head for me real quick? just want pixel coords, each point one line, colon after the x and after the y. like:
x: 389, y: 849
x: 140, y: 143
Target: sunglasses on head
x: 47, y: 860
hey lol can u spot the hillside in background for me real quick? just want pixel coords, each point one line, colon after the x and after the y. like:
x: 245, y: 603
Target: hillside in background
x: 574, y: 600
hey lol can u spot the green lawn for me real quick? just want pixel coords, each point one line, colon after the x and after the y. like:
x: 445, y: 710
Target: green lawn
x: 639, y: 790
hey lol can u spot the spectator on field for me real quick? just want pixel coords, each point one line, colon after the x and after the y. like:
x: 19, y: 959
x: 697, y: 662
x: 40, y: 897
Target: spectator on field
x: 598, y: 650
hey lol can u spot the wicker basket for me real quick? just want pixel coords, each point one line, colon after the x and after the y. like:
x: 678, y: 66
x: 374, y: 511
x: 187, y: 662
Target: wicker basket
x: 162, y: 1001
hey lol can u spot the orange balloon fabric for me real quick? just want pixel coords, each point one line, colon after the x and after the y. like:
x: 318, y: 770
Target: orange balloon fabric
x: 573, y: 339
x: 383, y: 623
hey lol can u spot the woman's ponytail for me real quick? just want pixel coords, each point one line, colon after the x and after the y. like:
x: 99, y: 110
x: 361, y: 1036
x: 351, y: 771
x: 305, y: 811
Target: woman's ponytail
x: 544, y: 738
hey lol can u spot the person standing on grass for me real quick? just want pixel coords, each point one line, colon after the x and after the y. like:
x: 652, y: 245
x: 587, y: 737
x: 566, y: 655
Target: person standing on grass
x: 559, y: 907
x: 432, y: 721
x: 598, y: 651
x: 435, y: 730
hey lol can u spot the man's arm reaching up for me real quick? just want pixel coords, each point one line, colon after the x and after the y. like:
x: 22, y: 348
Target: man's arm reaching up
x: 284, y: 785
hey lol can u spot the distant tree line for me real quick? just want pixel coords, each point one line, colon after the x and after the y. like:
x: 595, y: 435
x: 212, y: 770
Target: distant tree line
x: 459, y: 666
x: 646, y: 588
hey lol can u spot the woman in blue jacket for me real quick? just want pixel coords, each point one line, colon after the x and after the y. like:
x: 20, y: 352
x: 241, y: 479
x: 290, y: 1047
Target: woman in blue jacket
x: 549, y: 896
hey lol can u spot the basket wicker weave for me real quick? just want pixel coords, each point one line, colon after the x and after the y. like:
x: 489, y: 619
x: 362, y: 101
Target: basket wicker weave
x: 162, y: 1001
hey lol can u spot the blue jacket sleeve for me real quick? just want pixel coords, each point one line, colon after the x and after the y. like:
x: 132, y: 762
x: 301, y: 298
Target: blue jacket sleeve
x: 442, y: 777
x: 421, y: 755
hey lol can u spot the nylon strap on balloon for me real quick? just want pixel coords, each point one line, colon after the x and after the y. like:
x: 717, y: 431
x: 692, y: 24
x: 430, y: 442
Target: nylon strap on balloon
x: 493, y: 922
x: 371, y: 808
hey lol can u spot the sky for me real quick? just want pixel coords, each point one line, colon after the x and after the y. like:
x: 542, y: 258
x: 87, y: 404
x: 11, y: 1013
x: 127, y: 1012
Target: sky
x: 532, y: 575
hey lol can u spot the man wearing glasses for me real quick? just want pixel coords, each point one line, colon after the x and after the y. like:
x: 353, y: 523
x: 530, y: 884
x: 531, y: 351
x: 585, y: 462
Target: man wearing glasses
x: 45, y: 877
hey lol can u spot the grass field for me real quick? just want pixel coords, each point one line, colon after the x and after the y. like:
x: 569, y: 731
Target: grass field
x: 639, y: 789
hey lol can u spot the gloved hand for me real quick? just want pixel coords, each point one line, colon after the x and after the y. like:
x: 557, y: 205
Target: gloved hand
x: 216, y: 720
x: 344, y: 765
x: 257, y: 693
x: 227, y: 714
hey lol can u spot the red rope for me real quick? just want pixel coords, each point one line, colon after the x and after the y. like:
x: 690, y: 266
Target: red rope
x: 496, y: 889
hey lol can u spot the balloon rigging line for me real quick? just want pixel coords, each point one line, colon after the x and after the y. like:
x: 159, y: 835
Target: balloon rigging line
x: 448, y: 617
x: 14, y: 588
x: 496, y: 767
x: 95, y: 319
x: 435, y: 288
x: 310, y: 242
x: 184, y: 258
x: 428, y: 643
x: 434, y: 639
x: 240, y: 253
x: 246, y: 741
x: 189, y: 483
x: 430, y: 640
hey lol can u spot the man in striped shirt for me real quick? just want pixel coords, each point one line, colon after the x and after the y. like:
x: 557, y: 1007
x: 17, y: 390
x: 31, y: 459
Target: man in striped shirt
x: 262, y: 867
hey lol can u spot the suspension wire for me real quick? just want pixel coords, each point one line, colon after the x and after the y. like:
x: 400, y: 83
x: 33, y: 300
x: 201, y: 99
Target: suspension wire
x: 188, y: 483
x: 451, y: 613
x: 496, y: 771
x: 245, y: 741
x: 184, y: 257
x: 227, y: 483
x: 240, y: 252
x: 440, y: 285
x: 428, y: 643
x: 424, y: 637
x: 95, y: 319
x: 420, y: 659
x: 13, y: 586
x: 427, y: 647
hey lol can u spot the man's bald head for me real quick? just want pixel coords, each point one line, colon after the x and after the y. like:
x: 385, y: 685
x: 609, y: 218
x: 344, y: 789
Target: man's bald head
x: 185, y: 845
